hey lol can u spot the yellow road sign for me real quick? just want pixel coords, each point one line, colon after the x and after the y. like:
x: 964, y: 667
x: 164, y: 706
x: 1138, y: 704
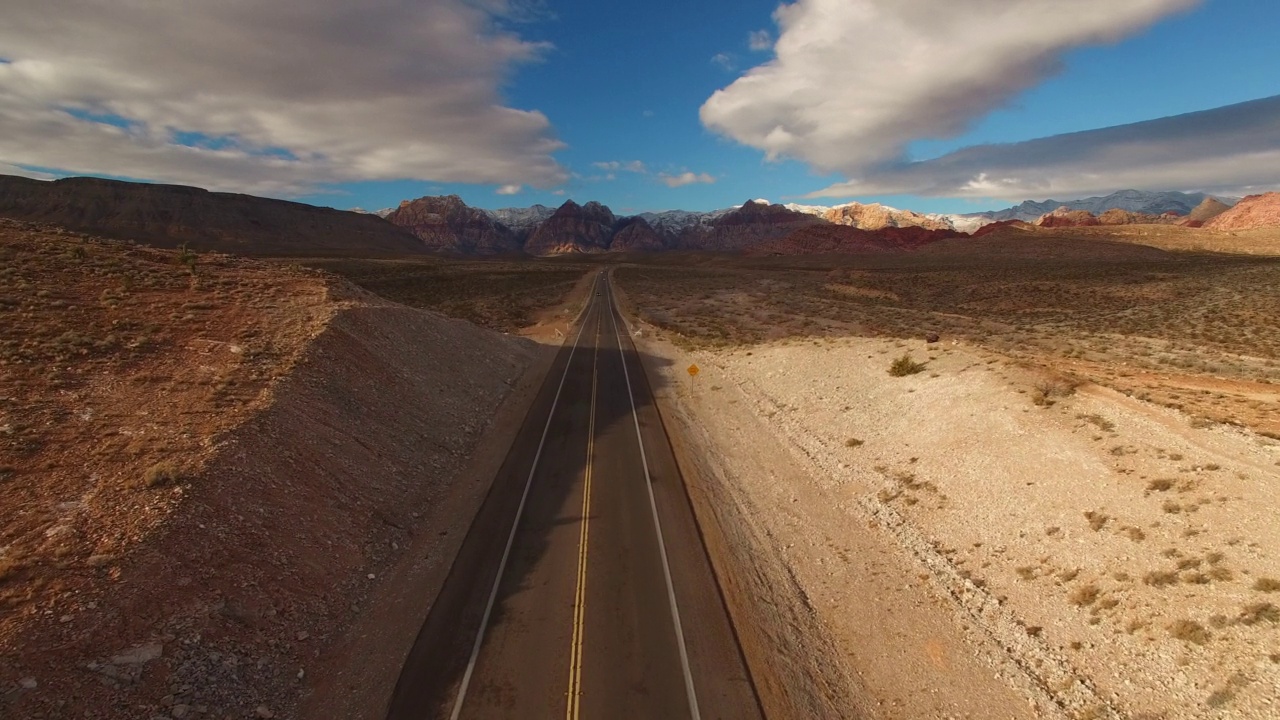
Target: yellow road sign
x: 693, y: 370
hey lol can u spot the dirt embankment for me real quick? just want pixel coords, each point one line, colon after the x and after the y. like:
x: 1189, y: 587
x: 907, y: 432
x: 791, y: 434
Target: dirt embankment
x: 305, y: 487
x: 955, y: 543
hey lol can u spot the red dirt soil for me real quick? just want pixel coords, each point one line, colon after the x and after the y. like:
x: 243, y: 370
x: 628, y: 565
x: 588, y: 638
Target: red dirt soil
x: 204, y: 475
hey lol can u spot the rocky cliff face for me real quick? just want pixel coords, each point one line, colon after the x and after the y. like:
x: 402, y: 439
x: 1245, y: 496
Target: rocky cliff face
x: 1255, y: 211
x: 876, y: 217
x: 573, y: 228
x: 637, y: 235
x: 169, y: 215
x: 446, y: 224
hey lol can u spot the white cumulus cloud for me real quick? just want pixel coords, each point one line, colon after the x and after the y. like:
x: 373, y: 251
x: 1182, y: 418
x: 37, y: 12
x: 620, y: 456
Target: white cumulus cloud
x: 685, y: 178
x: 509, y: 189
x: 276, y: 98
x: 853, y: 82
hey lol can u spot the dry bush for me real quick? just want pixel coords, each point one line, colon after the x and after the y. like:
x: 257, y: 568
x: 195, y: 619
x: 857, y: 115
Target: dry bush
x: 1254, y: 613
x: 1097, y: 520
x: 161, y: 474
x: 905, y: 366
x: 1190, y: 631
x: 1084, y: 595
x: 1266, y: 584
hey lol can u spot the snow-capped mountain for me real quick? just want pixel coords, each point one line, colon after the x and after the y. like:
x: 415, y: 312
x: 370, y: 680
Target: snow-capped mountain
x: 1149, y: 203
x: 673, y: 222
x: 521, y: 219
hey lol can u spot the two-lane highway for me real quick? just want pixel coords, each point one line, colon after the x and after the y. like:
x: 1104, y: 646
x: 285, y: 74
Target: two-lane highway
x: 583, y: 589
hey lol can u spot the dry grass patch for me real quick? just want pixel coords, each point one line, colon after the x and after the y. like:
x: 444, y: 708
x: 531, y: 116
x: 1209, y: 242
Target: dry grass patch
x: 1266, y: 584
x: 1190, y: 631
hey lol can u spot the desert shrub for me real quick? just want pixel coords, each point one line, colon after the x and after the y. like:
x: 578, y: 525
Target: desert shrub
x: 852, y: 442
x: 905, y: 366
x: 1259, y: 612
x: 1266, y: 584
x: 1046, y: 392
x: 160, y: 475
x: 1084, y: 595
x: 1190, y: 631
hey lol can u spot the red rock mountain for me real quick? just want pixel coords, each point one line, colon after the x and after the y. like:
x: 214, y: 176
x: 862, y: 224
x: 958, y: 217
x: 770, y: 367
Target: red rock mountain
x: 446, y: 224
x: 169, y: 215
x: 1252, y: 212
x: 573, y: 228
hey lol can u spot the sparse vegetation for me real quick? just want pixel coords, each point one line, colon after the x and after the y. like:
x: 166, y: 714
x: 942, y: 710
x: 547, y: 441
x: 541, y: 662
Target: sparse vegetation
x: 1190, y: 631
x: 1084, y: 595
x: 853, y: 442
x: 1097, y: 520
x: 904, y: 365
x: 1266, y: 584
x: 1255, y: 613
x: 494, y: 294
x: 161, y: 474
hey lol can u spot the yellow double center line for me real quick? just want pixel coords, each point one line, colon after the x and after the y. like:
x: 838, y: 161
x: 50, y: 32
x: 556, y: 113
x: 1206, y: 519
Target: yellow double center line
x: 580, y: 596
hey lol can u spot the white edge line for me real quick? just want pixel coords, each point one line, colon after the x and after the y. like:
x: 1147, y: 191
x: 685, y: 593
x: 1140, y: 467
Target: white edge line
x: 515, y: 525
x: 653, y: 505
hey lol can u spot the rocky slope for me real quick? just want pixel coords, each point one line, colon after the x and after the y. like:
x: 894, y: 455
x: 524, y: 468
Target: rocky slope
x: 1255, y: 211
x: 169, y: 215
x: 446, y: 224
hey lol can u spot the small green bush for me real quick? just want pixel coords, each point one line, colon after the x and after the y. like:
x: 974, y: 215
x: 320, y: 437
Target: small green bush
x: 905, y: 366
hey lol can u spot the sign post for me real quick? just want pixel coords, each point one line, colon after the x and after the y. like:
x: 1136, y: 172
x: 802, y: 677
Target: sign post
x: 693, y: 373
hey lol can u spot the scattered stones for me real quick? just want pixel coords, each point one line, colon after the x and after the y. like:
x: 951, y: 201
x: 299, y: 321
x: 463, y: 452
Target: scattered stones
x: 138, y: 655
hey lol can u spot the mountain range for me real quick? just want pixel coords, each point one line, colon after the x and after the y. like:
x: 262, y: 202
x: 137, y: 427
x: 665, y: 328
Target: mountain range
x: 1137, y: 201
x: 170, y: 215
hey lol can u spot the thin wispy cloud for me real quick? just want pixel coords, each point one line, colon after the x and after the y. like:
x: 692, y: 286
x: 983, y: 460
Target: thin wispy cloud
x: 509, y: 190
x: 1229, y: 150
x: 760, y: 41
x: 632, y: 166
x: 275, y: 98
x: 854, y: 82
x: 685, y: 178
x: 724, y: 61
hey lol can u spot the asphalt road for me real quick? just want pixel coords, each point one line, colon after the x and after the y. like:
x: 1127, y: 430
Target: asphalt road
x: 582, y: 589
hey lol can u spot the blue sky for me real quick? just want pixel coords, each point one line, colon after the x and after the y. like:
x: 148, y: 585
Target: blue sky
x: 868, y: 100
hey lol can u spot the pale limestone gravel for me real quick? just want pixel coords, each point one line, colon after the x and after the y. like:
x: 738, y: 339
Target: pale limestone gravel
x: 988, y: 492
